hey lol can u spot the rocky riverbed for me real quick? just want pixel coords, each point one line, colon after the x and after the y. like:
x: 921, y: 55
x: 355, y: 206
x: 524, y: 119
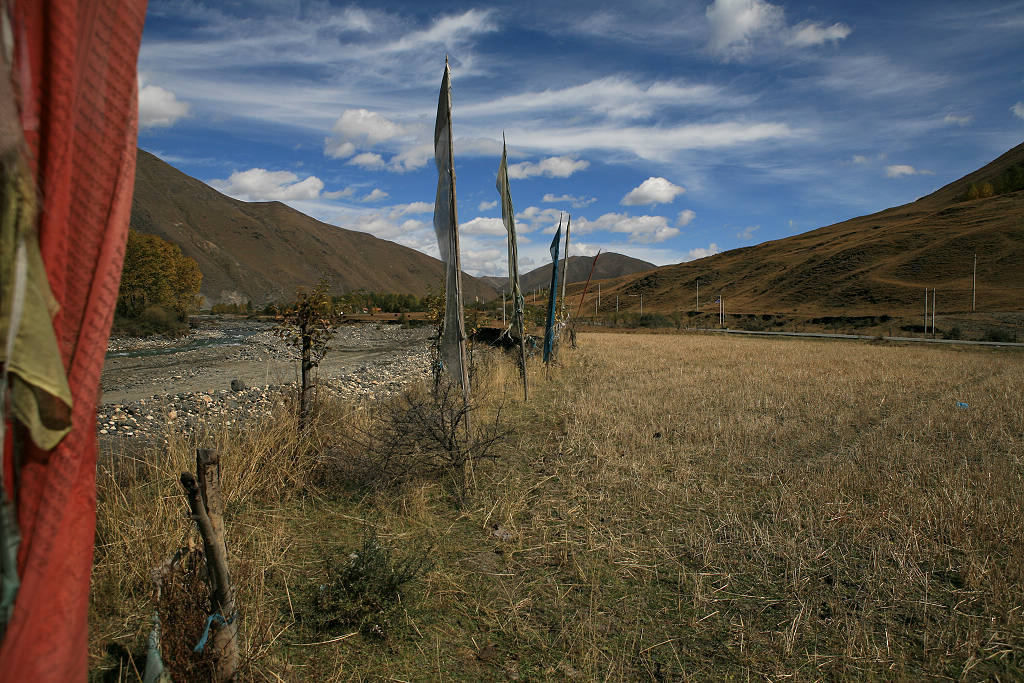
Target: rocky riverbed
x: 235, y: 371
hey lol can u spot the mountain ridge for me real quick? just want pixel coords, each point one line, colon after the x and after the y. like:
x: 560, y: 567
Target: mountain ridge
x: 610, y: 265
x: 263, y: 251
x: 873, y: 264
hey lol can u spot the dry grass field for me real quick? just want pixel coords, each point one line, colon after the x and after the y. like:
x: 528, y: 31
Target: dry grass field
x: 666, y: 507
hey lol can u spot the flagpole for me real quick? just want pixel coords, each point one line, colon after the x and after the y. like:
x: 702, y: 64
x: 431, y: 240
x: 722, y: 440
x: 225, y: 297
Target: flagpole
x: 508, y: 218
x: 549, y: 329
x: 587, y: 286
x: 565, y: 265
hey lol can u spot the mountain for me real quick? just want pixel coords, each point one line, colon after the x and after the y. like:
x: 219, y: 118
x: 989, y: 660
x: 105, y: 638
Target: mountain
x: 262, y: 251
x: 871, y: 265
x: 609, y: 265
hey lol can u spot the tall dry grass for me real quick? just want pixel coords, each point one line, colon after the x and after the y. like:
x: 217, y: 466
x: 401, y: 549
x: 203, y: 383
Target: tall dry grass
x: 665, y: 507
x: 707, y: 507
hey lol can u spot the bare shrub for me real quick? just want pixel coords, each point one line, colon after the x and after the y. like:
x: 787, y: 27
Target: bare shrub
x: 424, y: 432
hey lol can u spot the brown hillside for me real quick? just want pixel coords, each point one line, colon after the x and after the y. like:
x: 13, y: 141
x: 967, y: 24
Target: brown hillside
x: 262, y: 251
x: 872, y: 265
x: 609, y: 265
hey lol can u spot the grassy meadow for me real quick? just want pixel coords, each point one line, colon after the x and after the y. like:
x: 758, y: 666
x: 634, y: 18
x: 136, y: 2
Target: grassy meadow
x: 665, y: 507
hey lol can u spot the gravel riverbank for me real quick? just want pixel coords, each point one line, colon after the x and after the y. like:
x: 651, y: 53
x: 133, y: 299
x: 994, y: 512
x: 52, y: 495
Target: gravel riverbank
x: 237, y: 371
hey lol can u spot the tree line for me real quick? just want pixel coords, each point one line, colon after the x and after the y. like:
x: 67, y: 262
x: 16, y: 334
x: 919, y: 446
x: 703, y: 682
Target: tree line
x: 1010, y: 180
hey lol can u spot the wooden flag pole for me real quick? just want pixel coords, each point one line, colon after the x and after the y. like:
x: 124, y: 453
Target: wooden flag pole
x: 579, y: 308
x: 565, y: 265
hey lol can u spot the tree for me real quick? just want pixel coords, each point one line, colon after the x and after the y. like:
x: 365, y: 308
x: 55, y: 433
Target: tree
x: 156, y: 273
x: 308, y: 324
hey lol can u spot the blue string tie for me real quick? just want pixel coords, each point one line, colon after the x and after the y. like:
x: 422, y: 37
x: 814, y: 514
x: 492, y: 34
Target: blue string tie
x: 216, y: 616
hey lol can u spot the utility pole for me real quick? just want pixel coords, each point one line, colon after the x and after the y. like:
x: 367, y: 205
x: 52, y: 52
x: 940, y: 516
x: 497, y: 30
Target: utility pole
x: 641, y: 305
x: 974, y: 283
x: 925, y: 328
x: 616, y: 304
x: 933, y: 313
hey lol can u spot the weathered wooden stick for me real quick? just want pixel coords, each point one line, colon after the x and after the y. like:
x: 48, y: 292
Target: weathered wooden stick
x: 207, y: 505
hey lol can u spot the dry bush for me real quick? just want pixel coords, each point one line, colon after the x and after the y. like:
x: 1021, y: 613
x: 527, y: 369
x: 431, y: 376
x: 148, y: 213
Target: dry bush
x: 427, y: 431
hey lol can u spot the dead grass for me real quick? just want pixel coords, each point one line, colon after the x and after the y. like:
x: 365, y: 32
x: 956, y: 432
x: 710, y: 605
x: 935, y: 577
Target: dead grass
x: 666, y: 507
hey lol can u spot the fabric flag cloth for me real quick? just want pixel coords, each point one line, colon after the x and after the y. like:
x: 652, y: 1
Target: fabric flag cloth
x: 75, y: 78
x: 517, y: 328
x: 446, y: 224
x: 549, y: 329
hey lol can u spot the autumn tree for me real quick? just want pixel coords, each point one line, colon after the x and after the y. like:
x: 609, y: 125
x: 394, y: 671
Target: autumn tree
x: 156, y: 273
x: 308, y: 324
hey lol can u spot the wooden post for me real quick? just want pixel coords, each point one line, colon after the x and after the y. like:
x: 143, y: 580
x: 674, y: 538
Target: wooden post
x: 974, y: 284
x: 307, y: 367
x: 207, y: 505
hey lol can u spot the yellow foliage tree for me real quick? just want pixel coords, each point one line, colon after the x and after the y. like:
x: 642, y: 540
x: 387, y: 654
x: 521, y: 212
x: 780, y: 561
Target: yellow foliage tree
x: 156, y: 273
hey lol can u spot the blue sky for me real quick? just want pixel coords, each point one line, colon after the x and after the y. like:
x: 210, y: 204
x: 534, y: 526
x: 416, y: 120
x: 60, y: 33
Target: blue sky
x: 670, y: 130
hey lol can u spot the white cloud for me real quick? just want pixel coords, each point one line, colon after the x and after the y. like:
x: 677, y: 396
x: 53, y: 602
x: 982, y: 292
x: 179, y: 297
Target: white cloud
x: 747, y: 234
x: 552, y: 167
x: 357, y: 128
x: 375, y: 196
x: 487, y: 206
x: 641, y: 229
x: 371, y: 161
x: 259, y: 184
x: 652, y: 142
x: 412, y: 208
x: 702, y: 252
x: 412, y: 158
x: 574, y: 201
x: 338, y: 149
x: 615, y: 96
x: 957, y: 120
x: 654, y: 190
x: 808, y: 34
x: 483, y: 226
x: 534, y: 218
x: 447, y: 31
x: 159, y: 107
x: 339, y: 194
x: 899, y: 170
x: 685, y: 217
x: 859, y: 159
x: 1018, y: 110
x: 868, y: 76
x: 735, y: 24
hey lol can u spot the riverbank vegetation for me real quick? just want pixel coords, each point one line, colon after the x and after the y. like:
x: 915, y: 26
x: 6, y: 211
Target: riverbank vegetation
x: 665, y: 507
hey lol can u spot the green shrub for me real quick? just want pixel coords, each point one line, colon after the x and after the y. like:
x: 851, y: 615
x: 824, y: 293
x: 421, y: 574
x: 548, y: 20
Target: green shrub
x: 153, y: 321
x: 998, y: 334
x: 364, y: 589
